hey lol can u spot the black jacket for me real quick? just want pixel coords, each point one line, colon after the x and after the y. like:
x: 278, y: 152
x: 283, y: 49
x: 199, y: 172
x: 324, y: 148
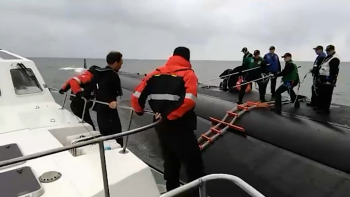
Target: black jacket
x: 288, y: 68
x: 106, y: 83
x: 318, y: 63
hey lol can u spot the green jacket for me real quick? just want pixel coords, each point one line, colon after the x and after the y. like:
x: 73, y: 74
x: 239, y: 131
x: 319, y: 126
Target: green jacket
x: 290, y: 72
x: 246, y: 58
x: 260, y: 64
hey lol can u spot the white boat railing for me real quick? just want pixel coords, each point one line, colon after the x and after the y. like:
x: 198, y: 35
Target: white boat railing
x: 201, y: 184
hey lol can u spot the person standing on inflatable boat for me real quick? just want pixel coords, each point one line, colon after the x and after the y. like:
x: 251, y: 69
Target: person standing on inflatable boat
x: 290, y: 79
x: 315, y: 100
x: 246, y: 56
x: 255, y: 74
x: 273, y: 67
x: 327, y: 78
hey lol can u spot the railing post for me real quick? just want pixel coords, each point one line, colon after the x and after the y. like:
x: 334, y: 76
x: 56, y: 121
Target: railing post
x: 202, y: 188
x: 83, y: 115
x: 104, y: 168
x: 127, y: 137
x: 64, y: 101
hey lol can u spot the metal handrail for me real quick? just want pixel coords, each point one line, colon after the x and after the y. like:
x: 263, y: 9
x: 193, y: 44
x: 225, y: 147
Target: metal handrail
x: 80, y: 144
x: 201, y: 184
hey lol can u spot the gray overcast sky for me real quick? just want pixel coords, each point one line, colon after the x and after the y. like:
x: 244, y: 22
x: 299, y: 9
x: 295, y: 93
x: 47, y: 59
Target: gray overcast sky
x: 151, y: 29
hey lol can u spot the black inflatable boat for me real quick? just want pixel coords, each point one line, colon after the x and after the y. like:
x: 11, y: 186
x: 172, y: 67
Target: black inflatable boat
x: 299, y: 153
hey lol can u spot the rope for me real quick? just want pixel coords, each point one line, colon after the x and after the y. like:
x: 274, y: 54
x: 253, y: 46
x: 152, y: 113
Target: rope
x: 296, y: 98
x: 242, y: 84
x: 228, y: 75
x: 104, y: 103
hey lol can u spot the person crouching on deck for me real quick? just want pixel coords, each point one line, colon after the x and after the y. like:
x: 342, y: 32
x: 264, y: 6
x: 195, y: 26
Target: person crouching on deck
x: 77, y: 84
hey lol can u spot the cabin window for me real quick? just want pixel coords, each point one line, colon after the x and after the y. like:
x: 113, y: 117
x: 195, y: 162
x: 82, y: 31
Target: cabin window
x: 24, y: 81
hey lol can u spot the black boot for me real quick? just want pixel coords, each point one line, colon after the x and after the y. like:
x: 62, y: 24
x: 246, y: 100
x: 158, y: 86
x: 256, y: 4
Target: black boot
x: 296, y: 105
x: 310, y: 104
x: 323, y: 111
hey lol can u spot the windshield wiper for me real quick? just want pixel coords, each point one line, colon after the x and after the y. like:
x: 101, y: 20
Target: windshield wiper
x: 29, y: 73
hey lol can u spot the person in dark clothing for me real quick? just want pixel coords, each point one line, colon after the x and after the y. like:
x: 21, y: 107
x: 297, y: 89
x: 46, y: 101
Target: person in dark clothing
x: 171, y: 91
x: 106, y: 83
x: 77, y: 84
x: 327, y: 78
x: 260, y: 64
x: 246, y: 56
x: 290, y: 79
x: 273, y: 67
x: 316, y: 67
x: 231, y: 80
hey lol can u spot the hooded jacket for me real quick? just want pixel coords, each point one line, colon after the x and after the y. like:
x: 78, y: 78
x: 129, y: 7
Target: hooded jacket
x: 77, y: 84
x: 171, y: 90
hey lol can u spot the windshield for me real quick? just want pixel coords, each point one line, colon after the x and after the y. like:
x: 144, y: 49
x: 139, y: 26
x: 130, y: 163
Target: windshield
x: 24, y: 81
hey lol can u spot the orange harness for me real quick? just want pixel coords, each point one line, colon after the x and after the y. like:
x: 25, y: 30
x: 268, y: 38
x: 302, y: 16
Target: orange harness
x: 238, y: 84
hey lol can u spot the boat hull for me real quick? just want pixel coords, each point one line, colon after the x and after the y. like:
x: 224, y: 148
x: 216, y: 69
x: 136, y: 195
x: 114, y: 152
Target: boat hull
x: 280, y: 155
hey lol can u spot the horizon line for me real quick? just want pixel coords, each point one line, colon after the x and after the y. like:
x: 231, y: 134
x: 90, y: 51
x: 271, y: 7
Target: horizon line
x: 153, y: 59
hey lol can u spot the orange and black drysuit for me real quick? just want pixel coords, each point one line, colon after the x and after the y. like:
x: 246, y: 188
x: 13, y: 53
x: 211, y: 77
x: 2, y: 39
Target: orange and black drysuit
x: 171, y: 90
x: 77, y: 85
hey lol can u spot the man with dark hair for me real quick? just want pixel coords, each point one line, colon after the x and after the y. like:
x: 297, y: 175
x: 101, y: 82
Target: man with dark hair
x: 246, y: 56
x: 273, y: 67
x: 171, y: 91
x: 316, y: 67
x: 258, y: 66
x: 106, y: 83
x: 327, y: 78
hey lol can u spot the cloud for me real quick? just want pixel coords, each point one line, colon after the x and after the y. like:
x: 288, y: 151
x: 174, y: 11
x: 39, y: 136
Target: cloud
x: 151, y: 29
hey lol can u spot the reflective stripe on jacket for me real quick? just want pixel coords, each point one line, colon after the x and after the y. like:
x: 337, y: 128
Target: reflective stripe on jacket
x: 170, y: 90
x: 77, y: 83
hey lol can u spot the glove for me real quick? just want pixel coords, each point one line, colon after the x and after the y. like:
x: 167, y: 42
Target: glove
x: 288, y: 84
x: 139, y: 113
x: 61, y: 91
x: 79, y: 95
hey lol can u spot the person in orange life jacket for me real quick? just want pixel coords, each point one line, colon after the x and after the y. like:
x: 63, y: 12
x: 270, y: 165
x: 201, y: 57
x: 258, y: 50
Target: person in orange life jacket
x: 77, y: 84
x: 260, y: 64
x: 327, y: 78
x: 106, y: 83
x: 171, y: 91
x: 273, y: 67
x: 316, y: 67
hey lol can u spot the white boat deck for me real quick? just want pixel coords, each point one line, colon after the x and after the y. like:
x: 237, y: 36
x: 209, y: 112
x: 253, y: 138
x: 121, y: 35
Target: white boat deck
x: 36, y: 123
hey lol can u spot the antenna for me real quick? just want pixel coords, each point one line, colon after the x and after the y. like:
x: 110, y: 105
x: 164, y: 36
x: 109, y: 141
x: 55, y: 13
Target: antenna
x: 85, y: 63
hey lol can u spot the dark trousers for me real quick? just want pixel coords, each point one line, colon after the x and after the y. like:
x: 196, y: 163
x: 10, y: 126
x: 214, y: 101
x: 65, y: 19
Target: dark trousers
x: 314, y: 95
x: 279, y: 91
x: 325, y: 96
x: 179, y: 146
x: 262, y: 92
x: 77, y: 107
x: 109, y: 123
x: 273, y: 85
